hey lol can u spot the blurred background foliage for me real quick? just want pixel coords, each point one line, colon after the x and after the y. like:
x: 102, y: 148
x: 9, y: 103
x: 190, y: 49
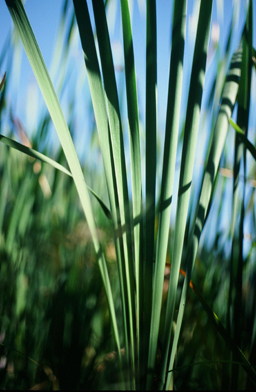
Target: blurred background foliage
x: 55, y: 331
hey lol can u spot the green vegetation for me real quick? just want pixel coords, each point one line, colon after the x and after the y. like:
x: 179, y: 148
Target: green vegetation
x: 95, y: 282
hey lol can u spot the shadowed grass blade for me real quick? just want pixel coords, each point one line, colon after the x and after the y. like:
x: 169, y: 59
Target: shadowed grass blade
x: 237, y: 260
x: 151, y: 124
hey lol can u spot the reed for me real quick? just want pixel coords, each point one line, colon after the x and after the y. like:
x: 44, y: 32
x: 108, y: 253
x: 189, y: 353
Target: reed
x: 153, y: 342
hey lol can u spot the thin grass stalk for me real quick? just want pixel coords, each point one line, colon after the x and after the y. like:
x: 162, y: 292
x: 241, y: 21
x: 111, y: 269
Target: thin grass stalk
x: 170, y: 148
x: 28, y: 39
x: 187, y: 162
x: 240, y: 154
x: 208, y: 181
x: 120, y: 170
x: 236, y: 259
x: 135, y: 157
x: 151, y: 124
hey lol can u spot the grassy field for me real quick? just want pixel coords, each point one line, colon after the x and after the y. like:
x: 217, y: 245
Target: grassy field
x: 95, y: 283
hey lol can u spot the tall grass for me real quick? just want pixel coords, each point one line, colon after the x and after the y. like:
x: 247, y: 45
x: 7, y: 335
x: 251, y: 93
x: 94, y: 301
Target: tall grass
x: 162, y: 337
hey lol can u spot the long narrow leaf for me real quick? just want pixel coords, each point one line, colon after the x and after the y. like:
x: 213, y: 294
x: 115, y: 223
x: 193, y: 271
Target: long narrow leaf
x: 43, y: 158
x: 220, y: 131
x: 135, y: 156
x: 151, y: 124
x: 170, y: 148
x: 119, y: 167
x: 188, y: 155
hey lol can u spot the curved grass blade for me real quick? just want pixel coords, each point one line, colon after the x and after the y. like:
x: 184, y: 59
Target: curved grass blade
x: 33, y: 153
x: 249, y: 146
x: 43, y: 158
x: 28, y: 39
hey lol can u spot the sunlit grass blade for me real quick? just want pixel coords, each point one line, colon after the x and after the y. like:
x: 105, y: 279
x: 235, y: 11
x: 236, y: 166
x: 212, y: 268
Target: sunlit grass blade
x: 33, y: 153
x: 99, y: 106
x: 221, y: 127
x: 28, y: 39
x: 43, y: 158
x: 117, y: 145
x: 169, y: 160
x: 248, y: 145
x: 135, y: 156
x: 188, y: 155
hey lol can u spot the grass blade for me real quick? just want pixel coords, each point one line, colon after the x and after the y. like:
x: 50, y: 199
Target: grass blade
x: 119, y: 169
x: 188, y: 155
x: 220, y: 131
x: 135, y: 156
x: 151, y: 123
x: 170, y: 148
x: 43, y: 158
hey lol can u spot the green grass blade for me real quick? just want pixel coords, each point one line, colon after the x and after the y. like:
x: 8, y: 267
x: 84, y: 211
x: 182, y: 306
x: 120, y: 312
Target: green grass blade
x: 220, y: 131
x: 151, y: 124
x: 237, y: 260
x: 188, y: 155
x: 33, y: 153
x: 170, y: 148
x: 28, y: 39
x: 2, y: 82
x: 249, y: 146
x: 135, y: 156
x: 119, y: 167
x: 99, y: 107
x: 43, y: 158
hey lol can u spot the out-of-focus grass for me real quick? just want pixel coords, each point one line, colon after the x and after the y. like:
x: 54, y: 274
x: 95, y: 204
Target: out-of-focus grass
x: 53, y: 308
x: 55, y: 324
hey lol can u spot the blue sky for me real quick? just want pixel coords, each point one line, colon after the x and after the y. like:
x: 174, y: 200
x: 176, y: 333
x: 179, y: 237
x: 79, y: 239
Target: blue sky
x: 45, y: 17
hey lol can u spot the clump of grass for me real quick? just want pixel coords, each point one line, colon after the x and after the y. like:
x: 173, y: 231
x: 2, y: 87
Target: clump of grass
x: 155, y: 341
